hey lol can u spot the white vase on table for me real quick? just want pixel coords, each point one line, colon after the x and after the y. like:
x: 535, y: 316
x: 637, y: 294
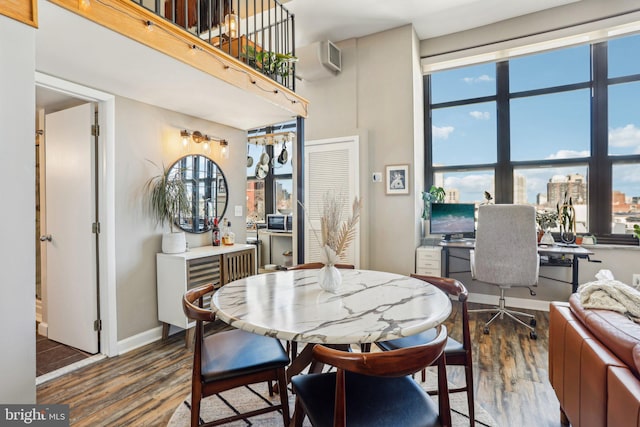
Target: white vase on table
x: 329, y: 278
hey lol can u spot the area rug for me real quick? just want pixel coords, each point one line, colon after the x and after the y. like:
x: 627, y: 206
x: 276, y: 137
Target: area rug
x: 247, y: 398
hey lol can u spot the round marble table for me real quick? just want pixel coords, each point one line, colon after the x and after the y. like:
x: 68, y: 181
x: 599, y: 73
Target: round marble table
x: 370, y: 306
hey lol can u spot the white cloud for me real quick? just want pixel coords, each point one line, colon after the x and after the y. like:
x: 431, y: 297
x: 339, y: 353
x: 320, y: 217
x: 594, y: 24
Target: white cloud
x: 568, y: 154
x: 480, y: 79
x: 627, y: 136
x: 480, y: 115
x: 474, y: 184
x: 441, y: 132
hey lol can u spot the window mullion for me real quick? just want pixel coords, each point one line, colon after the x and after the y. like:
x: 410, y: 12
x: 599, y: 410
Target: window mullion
x: 600, y: 166
x: 504, y: 169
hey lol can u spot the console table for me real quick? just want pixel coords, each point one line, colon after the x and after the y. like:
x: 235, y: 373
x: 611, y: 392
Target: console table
x: 177, y: 273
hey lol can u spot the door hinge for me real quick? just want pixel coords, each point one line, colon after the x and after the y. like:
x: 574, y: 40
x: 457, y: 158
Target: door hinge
x: 97, y: 325
x: 95, y: 130
x: 95, y: 228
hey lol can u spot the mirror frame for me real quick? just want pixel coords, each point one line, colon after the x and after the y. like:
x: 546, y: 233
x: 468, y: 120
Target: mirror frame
x: 211, y: 181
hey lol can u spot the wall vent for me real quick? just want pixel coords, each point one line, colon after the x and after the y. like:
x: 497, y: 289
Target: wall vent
x: 318, y: 60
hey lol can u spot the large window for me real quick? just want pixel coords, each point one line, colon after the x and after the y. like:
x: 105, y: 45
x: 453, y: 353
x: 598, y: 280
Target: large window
x: 270, y: 190
x: 536, y: 128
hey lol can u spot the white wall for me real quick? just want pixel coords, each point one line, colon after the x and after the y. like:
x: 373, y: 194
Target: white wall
x: 17, y: 216
x: 374, y: 97
x: 582, y: 17
x: 145, y: 132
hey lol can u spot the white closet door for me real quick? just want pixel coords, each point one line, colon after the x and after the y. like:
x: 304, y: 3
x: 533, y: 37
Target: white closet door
x: 330, y: 165
x: 70, y: 211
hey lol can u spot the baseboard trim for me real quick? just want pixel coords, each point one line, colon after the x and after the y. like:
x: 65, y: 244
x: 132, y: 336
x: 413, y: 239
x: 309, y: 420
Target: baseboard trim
x: 526, y: 303
x: 43, y: 329
x: 139, y: 340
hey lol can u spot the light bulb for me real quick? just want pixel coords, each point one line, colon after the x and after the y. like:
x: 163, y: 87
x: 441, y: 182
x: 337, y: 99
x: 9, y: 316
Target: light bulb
x: 231, y: 22
x: 206, y: 147
x: 224, y: 149
x: 186, y: 140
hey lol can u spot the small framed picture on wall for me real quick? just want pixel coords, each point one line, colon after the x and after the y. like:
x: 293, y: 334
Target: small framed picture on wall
x: 397, y: 181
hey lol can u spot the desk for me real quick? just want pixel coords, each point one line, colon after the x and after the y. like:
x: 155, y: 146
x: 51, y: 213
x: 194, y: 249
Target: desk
x: 575, y: 253
x: 370, y: 306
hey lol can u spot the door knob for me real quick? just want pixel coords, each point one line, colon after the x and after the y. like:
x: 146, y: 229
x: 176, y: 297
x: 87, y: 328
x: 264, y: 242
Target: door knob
x: 45, y: 238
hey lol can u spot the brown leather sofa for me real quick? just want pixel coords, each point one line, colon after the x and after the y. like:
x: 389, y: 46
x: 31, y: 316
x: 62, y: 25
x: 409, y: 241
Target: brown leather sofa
x: 594, y: 365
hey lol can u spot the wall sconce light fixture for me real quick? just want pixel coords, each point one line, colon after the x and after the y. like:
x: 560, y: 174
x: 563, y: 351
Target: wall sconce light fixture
x: 200, y: 138
x: 224, y: 148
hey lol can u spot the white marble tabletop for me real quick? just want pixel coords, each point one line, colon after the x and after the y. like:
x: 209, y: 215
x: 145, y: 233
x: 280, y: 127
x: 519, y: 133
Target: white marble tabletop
x: 369, y: 306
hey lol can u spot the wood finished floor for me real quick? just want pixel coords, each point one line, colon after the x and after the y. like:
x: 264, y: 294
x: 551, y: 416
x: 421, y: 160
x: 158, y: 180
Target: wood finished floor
x: 143, y: 387
x: 51, y: 355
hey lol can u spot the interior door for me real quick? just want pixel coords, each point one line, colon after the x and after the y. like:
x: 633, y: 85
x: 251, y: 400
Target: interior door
x: 72, y: 290
x: 330, y: 165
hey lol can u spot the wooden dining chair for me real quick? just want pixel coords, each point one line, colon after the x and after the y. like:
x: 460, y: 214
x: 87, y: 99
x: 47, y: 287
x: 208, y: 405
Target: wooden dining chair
x: 292, y: 346
x: 231, y: 359
x: 373, y: 388
x: 457, y: 353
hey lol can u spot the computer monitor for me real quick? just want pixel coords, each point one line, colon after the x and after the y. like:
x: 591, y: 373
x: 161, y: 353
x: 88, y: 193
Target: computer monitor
x: 453, y: 219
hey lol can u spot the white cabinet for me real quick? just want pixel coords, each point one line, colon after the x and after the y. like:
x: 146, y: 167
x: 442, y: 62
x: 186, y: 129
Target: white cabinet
x: 429, y: 260
x: 208, y: 264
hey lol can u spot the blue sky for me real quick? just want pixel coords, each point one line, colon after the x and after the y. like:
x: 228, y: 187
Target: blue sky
x: 543, y: 127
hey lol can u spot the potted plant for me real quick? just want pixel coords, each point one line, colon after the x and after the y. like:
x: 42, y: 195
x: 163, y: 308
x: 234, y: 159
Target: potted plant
x: 434, y: 195
x: 167, y: 199
x: 546, y: 219
x: 272, y: 64
x: 567, y: 218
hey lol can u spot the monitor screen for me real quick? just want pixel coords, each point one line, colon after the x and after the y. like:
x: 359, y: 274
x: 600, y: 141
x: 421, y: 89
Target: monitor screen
x: 452, y: 219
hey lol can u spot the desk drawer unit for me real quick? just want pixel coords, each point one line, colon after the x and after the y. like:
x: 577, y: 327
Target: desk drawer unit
x: 429, y: 260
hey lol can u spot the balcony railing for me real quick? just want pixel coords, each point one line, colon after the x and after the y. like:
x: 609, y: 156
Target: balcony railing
x: 258, y: 32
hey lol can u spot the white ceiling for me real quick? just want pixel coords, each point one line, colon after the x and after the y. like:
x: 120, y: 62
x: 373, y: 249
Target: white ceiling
x: 102, y: 59
x: 338, y: 20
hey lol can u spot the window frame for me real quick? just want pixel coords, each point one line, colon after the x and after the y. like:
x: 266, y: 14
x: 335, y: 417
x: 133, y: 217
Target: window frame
x: 599, y: 162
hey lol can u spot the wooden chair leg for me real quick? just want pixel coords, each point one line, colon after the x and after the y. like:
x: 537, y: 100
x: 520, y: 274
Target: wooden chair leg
x: 195, y: 410
x: 298, y: 415
x: 470, y: 401
x: 284, y: 399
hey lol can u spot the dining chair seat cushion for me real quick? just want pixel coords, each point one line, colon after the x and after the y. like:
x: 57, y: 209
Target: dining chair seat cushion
x: 231, y: 353
x: 371, y: 401
x: 427, y: 336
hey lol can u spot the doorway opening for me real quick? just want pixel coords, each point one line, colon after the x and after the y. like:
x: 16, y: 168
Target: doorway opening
x: 52, y: 95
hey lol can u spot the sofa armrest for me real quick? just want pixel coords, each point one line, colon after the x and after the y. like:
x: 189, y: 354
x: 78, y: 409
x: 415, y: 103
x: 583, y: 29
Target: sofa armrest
x: 623, y: 403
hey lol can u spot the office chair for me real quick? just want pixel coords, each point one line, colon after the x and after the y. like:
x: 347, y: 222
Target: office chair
x: 231, y: 359
x: 370, y: 389
x: 506, y: 255
x: 456, y: 353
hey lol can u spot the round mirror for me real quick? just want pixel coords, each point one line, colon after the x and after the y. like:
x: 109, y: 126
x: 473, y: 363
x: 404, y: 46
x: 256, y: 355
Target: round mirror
x: 206, y: 190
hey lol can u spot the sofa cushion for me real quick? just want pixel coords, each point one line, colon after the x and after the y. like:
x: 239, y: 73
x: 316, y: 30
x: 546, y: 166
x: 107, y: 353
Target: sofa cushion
x: 614, y: 330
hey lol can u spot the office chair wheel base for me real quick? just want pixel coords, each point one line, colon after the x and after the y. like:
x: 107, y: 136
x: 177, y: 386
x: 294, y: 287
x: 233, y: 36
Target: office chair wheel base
x: 533, y: 322
x: 485, y: 330
x: 533, y: 335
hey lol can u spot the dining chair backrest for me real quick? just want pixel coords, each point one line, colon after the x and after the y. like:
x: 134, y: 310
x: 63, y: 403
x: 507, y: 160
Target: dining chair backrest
x: 380, y: 367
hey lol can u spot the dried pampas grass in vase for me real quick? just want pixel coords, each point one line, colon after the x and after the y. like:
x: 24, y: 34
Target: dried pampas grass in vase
x: 335, y: 236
